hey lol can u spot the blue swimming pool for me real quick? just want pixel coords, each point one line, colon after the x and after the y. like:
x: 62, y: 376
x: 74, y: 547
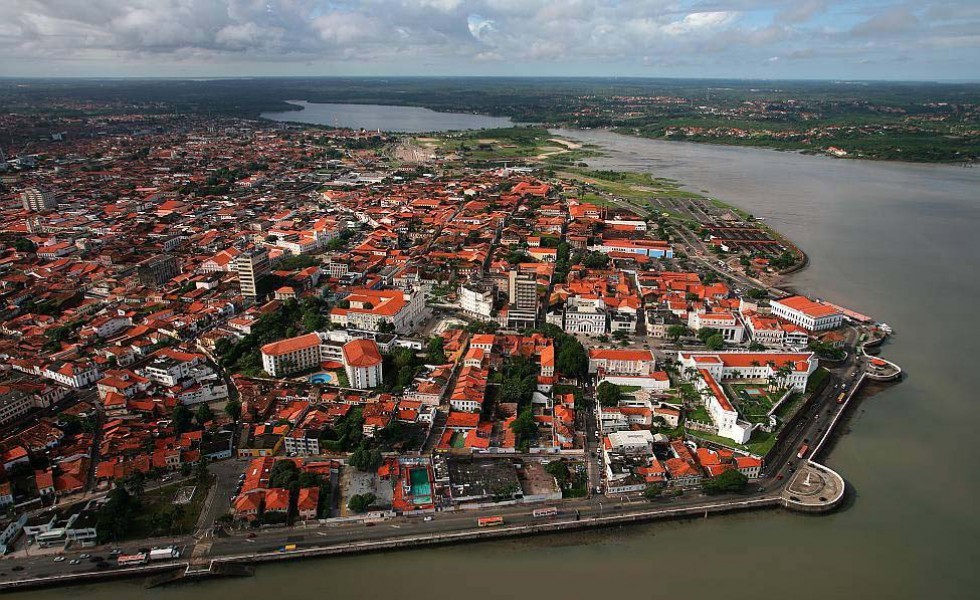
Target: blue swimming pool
x: 324, y: 378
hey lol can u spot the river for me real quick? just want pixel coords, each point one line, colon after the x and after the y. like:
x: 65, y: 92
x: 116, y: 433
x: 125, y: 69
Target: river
x: 896, y: 241
x: 406, y: 119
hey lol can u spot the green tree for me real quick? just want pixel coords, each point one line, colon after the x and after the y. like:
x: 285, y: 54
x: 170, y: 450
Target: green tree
x: 572, y: 360
x: 512, y: 391
x: 715, y: 342
x: 182, y: 418
x: 653, y: 491
x: 676, y: 332
x: 434, y: 351
x: 608, y: 394
x: 233, y: 408
x: 525, y: 428
x: 135, y: 483
x: 313, y: 321
x: 23, y: 244
x: 284, y: 473
x: 204, y: 414
x: 115, y: 518
x: 730, y: 481
x: 201, y: 472
x: 596, y: 260
x: 706, y: 332
x: 360, y: 503
x: 559, y: 470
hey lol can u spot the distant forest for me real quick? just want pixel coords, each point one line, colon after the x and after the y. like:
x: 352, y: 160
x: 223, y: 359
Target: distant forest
x: 903, y: 120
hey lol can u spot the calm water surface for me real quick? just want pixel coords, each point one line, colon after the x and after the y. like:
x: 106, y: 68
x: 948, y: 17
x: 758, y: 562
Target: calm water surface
x: 409, y: 119
x: 895, y: 241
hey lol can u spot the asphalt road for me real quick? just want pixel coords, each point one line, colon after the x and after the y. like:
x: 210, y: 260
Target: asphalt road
x: 810, y: 424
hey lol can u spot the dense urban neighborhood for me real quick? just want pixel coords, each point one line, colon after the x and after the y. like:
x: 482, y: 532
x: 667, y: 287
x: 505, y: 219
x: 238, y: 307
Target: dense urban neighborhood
x: 218, y: 331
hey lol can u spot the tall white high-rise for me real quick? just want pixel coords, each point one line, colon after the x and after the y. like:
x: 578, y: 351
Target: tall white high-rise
x: 37, y: 200
x: 251, y: 266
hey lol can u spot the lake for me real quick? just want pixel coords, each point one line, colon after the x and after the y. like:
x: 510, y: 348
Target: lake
x: 896, y: 241
x: 406, y: 119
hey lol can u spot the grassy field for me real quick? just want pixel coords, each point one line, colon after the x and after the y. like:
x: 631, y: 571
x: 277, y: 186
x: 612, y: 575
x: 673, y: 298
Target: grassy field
x: 760, y: 443
x: 511, y: 144
x: 816, y: 380
x: 158, y: 506
x: 753, y: 407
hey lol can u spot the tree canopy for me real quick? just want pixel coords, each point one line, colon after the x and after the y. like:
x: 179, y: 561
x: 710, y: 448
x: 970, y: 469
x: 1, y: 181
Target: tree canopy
x: 730, y: 481
x: 609, y: 394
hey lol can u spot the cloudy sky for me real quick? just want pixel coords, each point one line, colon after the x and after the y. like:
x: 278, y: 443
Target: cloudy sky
x: 866, y: 39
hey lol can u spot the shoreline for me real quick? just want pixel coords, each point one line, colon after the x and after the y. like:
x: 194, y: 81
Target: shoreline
x: 213, y: 570
x: 515, y: 123
x: 474, y: 535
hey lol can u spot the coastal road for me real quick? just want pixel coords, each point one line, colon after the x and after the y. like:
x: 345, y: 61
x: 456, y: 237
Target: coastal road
x: 814, y: 419
x: 266, y: 540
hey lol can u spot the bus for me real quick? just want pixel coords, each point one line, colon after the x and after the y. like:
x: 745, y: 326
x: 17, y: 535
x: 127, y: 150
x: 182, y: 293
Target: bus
x: 128, y: 560
x: 802, y: 451
x: 544, y: 513
x: 287, y: 548
x: 490, y: 521
x: 165, y: 553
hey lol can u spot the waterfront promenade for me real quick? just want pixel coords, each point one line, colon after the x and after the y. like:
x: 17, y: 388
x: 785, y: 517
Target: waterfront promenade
x: 785, y: 485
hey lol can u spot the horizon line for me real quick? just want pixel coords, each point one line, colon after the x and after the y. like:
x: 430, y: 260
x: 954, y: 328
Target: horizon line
x: 528, y: 77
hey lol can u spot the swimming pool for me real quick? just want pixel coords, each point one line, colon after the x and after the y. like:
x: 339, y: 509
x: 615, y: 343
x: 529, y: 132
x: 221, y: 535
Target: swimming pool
x: 421, y: 490
x: 324, y: 378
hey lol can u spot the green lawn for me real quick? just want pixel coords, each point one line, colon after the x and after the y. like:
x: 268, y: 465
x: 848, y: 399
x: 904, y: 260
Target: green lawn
x: 700, y: 414
x: 816, y: 380
x: 753, y: 407
x: 159, y: 502
x: 788, y: 408
x: 760, y: 443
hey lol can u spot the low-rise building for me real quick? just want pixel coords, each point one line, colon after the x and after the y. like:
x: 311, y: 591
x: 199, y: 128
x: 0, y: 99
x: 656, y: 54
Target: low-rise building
x: 810, y: 315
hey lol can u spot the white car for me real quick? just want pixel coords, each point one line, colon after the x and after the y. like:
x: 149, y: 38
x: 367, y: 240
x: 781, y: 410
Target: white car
x: 59, y: 559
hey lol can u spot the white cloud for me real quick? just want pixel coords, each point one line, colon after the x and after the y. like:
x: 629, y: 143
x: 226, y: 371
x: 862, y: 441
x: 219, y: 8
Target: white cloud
x: 699, y: 22
x: 458, y: 33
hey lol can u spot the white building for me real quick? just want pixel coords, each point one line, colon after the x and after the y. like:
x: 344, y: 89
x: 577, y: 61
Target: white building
x: 720, y: 408
x: 251, y: 266
x: 806, y: 313
x: 362, y: 361
x: 754, y: 365
x: 291, y: 354
x: 727, y: 324
x: 608, y: 361
x: 586, y: 314
x: 767, y: 331
x: 631, y: 442
x: 367, y: 309
x: 476, y: 301
x: 73, y: 375
x: 35, y: 199
x: 300, y: 443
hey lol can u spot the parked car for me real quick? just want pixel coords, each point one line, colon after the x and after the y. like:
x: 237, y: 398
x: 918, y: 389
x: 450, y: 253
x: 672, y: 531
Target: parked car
x: 59, y: 559
x: 74, y: 561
